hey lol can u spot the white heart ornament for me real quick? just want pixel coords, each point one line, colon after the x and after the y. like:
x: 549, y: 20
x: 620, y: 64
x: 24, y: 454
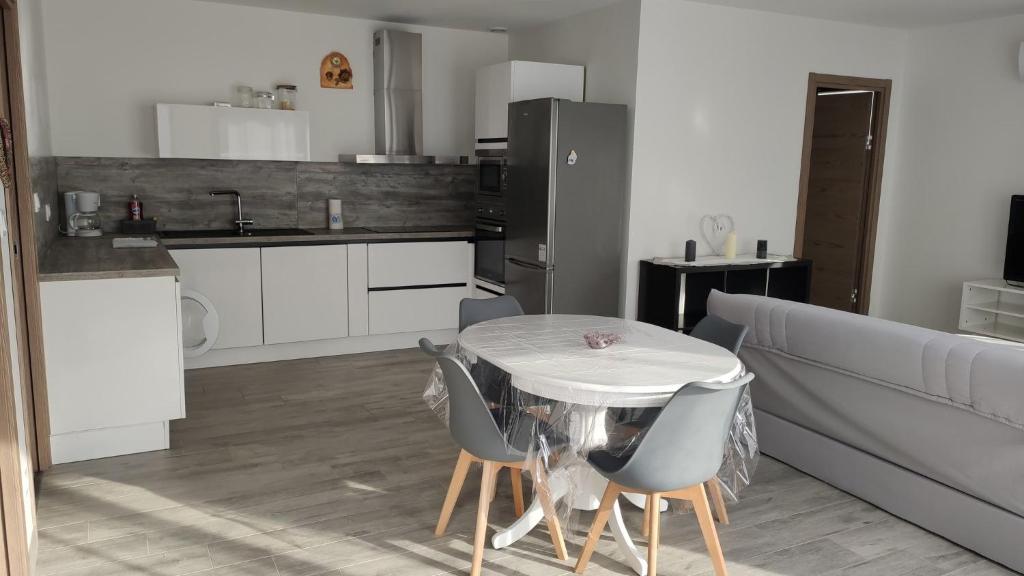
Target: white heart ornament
x: 714, y: 228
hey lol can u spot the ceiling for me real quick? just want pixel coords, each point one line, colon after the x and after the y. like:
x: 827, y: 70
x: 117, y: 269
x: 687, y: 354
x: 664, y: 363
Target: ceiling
x: 465, y: 14
x: 513, y: 14
x: 888, y: 13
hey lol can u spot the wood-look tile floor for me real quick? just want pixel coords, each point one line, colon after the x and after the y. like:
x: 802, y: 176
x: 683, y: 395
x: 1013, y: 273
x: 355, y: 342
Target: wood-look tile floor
x: 335, y: 466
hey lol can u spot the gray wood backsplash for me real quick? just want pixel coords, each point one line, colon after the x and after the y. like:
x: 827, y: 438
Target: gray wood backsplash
x: 44, y: 184
x: 386, y: 195
x: 274, y: 194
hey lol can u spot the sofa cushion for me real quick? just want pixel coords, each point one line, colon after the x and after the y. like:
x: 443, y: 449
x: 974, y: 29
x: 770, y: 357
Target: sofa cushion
x: 983, y: 377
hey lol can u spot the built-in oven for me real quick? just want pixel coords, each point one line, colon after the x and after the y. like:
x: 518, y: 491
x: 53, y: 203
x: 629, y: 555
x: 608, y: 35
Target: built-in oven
x: 489, y: 255
x: 493, y: 176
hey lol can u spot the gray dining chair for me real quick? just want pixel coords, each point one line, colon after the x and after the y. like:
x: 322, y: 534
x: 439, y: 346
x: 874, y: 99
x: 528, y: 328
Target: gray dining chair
x: 721, y: 332
x: 476, y: 429
x: 682, y: 450
x: 476, y: 310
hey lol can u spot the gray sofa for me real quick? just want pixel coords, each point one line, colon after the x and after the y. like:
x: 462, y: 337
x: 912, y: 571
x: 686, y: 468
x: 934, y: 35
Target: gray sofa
x: 926, y: 425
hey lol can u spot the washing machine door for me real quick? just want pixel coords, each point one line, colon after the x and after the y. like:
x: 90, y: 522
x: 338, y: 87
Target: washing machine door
x: 200, y: 323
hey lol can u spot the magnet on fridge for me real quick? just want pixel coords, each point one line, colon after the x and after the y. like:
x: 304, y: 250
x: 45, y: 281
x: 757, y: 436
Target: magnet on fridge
x: 571, y: 160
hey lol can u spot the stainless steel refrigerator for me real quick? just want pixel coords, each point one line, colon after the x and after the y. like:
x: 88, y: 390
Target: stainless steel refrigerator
x: 566, y: 206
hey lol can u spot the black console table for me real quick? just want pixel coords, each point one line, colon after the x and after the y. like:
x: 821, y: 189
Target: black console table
x: 674, y: 294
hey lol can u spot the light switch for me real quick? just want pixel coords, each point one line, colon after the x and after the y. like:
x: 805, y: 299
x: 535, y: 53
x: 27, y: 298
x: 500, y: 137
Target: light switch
x: 48, y: 213
x: 35, y: 201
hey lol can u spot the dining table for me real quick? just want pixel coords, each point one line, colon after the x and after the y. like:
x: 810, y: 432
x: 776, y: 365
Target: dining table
x: 547, y: 358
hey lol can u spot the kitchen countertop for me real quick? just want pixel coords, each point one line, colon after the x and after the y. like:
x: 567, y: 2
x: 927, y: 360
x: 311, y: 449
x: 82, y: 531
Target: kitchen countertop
x: 96, y: 258
x: 325, y: 236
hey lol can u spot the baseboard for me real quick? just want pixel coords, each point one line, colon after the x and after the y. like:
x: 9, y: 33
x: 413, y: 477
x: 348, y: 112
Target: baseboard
x: 317, y: 348
x: 107, y: 442
x: 988, y: 530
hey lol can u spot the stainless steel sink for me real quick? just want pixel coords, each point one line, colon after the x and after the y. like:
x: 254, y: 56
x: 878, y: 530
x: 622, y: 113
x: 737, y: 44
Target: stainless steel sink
x: 255, y: 232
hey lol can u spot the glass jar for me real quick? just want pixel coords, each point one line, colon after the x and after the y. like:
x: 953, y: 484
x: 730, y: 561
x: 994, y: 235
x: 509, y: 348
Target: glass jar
x: 286, y: 94
x: 265, y: 100
x: 243, y: 96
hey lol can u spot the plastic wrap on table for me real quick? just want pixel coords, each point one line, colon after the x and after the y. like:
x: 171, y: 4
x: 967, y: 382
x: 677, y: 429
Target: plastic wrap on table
x: 561, y: 434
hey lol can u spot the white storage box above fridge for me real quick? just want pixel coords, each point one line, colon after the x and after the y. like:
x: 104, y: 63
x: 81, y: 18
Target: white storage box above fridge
x: 500, y: 84
x: 222, y: 133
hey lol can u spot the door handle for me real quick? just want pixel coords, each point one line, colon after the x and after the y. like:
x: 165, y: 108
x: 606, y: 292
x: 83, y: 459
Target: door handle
x: 524, y: 264
x: 490, y: 228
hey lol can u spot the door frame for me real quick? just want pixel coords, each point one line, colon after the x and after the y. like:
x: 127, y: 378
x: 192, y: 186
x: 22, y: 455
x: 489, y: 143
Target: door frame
x: 883, y: 89
x: 15, y: 546
x: 28, y: 291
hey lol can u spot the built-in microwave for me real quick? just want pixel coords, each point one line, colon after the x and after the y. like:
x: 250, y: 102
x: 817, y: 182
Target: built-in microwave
x: 493, y: 176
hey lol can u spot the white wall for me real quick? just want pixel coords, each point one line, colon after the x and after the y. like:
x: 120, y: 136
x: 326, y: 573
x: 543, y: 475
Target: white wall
x: 721, y: 96
x: 33, y: 67
x: 604, y: 40
x: 110, y: 61
x: 962, y: 159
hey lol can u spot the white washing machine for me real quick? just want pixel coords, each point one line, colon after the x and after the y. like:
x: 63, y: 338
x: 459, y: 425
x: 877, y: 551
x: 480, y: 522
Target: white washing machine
x: 200, y: 324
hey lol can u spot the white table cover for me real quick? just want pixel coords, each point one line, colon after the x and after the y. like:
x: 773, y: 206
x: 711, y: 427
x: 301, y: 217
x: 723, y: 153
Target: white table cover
x: 547, y: 356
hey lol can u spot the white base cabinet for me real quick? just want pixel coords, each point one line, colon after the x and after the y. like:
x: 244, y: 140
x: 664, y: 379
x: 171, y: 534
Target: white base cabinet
x: 304, y: 301
x: 305, y: 293
x: 114, y: 366
x: 230, y: 278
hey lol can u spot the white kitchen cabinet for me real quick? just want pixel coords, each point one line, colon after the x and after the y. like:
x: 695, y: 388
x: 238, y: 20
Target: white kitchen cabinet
x: 499, y: 84
x: 406, y: 264
x: 305, y: 293
x: 415, y: 310
x: 230, y: 279
x: 114, y: 368
x: 189, y: 131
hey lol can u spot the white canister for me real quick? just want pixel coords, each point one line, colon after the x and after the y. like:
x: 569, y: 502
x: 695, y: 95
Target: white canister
x: 334, y: 221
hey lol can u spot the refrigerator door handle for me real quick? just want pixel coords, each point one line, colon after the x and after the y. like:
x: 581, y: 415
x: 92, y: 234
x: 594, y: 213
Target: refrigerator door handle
x: 525, y: 264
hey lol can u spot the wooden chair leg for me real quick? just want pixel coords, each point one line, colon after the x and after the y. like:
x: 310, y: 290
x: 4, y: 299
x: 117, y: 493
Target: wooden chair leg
x: 454, y: 488
x: 611, y: 493
x: 707, y: 527
x: 487, y: 481
x: 655, y: 534
x: 714, y: 489
x: 646, y: 530
x: 494, y: 485
x: 550, y: 514
x: 517, y: 491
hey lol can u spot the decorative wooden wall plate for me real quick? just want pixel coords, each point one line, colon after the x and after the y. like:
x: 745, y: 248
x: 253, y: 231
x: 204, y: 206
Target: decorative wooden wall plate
x: 335, y: 71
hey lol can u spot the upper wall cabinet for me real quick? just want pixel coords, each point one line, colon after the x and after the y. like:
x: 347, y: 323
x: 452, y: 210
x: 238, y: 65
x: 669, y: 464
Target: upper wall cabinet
x: 211, y: 132
x: 517, y: 80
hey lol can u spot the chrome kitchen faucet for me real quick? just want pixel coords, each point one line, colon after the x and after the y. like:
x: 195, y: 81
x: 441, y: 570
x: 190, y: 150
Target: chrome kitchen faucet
x: 241, y: 222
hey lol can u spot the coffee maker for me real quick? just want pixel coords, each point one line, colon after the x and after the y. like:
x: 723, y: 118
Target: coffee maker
x: 82, y: 214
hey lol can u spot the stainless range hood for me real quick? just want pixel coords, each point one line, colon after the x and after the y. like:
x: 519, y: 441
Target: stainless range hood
x: 397, y: 102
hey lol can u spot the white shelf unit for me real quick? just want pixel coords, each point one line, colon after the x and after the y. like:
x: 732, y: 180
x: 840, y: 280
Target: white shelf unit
x: 993, y: 308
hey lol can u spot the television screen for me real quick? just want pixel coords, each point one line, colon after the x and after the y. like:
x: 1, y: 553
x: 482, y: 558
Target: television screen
x: 1013, y: 272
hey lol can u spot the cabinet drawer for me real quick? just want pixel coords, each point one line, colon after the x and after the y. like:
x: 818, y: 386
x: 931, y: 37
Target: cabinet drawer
x: 418, y: 264
x: 393, y: 311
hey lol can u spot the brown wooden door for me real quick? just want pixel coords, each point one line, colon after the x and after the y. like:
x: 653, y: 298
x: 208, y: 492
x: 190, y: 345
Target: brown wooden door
x: 837, y: 194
